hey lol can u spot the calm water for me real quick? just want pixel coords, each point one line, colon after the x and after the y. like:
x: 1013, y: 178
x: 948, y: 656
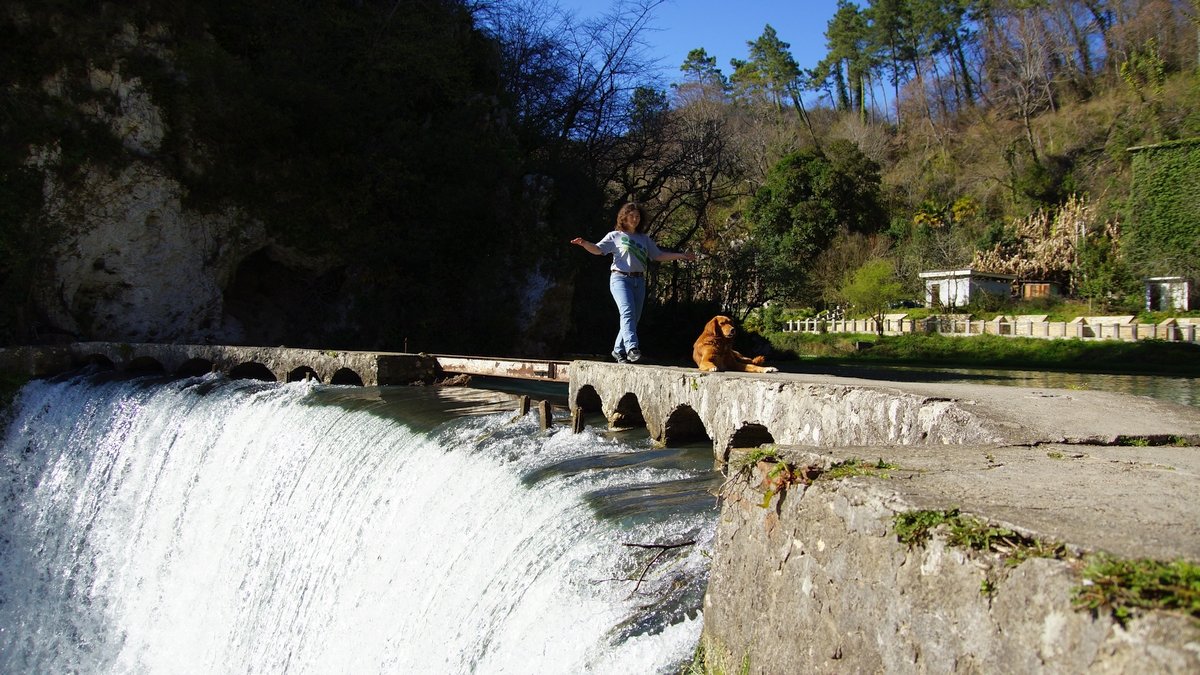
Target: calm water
x: 1184, y: 390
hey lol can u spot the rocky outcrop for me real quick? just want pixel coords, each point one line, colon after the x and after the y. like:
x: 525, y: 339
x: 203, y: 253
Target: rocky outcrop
x: 135, y: 265
x: 133, y: 261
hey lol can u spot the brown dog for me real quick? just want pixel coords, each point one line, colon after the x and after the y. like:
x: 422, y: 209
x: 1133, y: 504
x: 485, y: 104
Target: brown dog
x: 714, y: 351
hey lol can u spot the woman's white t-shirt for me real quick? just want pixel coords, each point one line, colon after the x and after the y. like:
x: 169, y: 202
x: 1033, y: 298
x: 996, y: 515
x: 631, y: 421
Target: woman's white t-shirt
x: 630, y: 252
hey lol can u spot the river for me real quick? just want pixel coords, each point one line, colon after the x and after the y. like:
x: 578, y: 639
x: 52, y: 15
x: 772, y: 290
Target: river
x: 1182, y: 390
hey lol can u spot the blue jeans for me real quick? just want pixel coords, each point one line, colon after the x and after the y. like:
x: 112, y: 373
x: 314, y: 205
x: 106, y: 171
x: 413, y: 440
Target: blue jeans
x: 630, y: 295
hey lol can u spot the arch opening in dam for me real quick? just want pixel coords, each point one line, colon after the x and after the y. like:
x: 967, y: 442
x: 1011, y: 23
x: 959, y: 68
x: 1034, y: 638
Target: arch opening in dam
x: 302, y: 373
x: 588, y: 400
x: 684, y: 425
x: 346, y: 376
x: 195, y: 367
x: 628, y: 413
x: 99, y: 361
x: 252, y: 370
x: 145, y: 364
x: 748, y: 436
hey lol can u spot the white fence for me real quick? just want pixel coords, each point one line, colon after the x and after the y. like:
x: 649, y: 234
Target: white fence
x: 1118, y: 329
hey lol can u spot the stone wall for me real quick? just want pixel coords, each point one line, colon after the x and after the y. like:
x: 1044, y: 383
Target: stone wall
x: 817, y: 581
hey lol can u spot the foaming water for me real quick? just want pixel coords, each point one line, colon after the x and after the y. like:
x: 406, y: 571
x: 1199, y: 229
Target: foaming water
x: 207, y: 525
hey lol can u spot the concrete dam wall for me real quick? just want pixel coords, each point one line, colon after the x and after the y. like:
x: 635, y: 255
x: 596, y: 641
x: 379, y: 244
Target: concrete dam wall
x: 870, y: 526
x: 812, y: 571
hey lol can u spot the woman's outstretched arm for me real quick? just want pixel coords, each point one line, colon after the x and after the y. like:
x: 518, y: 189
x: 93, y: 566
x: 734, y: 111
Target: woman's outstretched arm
x: 587, y: 246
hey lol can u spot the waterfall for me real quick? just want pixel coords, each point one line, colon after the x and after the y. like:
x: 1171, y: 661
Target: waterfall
x: 210, y: 525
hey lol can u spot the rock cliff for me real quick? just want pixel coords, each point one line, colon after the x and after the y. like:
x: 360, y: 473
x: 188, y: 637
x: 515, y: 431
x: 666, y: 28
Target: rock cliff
x: 131, y: 259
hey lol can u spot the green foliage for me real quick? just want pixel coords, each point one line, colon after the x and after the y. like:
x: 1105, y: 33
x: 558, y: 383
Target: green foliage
x: 807, y: 197
x: 815, y: 345
x: 1143, y: 356
x: 773, y: 317
x: 754, y: 456
x: 1120, y: 585
x: 1161, y: 238
x: 914, y: 528
x: 1124, y: 586
x: 1144, y: 70
x: 857, y: 467
x: 1103, y: 276
x: 770, y: 75
x: 873, y: 288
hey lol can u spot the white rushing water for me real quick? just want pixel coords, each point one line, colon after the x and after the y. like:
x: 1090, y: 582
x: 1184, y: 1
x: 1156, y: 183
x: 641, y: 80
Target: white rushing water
x: 215, y: 526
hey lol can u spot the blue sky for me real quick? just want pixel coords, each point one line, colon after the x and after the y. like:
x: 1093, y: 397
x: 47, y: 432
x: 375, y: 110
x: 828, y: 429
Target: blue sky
x: 723, y: 28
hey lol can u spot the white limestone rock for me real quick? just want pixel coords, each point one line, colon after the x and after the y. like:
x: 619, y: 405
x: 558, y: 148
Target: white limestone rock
x: 135, y: 265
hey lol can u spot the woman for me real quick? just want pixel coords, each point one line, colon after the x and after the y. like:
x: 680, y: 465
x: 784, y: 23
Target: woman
x: 632, y: 252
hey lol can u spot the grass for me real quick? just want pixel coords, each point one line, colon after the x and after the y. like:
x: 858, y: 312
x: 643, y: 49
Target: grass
x: 993, y: 351
x: 857, y: 467
x: 914, y: 528
x: 706, y: 661
x: 1122, y: 586
x: 1119, y: 586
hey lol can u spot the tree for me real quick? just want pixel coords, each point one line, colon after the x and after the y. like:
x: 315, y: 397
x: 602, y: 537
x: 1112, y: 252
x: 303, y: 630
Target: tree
x: 872, y: 289
x: 849, y: 61
x: 890, y: 29
x: 700, y: 71
x: 809, y: 197
x: 1101, y: 274
x: 772, y: 74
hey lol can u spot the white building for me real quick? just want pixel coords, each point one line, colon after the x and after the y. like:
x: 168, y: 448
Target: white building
x: 956, y: 288
x: 1167, y: 293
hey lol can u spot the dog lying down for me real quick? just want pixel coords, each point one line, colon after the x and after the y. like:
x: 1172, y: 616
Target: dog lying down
x: 714, y: 351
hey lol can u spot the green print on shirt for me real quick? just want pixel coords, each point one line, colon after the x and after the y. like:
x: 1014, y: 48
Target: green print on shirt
x: 628, y: 245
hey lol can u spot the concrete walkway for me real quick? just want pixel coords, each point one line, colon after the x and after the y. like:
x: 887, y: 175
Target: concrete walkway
x: 1133, y: 502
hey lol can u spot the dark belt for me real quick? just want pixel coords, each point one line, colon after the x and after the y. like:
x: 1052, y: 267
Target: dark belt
x: 629, y: 274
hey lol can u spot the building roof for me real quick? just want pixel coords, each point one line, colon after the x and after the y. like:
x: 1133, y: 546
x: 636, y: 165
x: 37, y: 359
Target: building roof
x: 949, y: 274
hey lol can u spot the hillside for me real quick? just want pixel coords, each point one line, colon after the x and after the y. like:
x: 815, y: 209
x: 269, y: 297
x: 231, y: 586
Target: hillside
x: 405, y: 175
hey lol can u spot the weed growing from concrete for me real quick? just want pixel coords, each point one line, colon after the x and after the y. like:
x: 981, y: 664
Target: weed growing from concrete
x: 1155, y: 441
x: 777, y: 478
x: 759, y: 454
x: 914, y: 528
x: 857, y: 467
x: 1123, y: 586
x: 987, y: 587
x: 707, y: 661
